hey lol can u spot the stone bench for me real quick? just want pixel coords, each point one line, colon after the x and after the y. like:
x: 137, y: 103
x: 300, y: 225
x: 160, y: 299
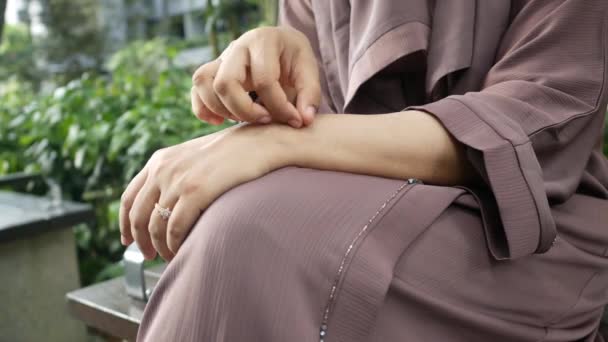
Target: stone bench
x: 38, y: 265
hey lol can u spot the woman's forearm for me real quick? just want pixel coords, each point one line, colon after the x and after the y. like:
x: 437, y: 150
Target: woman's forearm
x: 400, y: 145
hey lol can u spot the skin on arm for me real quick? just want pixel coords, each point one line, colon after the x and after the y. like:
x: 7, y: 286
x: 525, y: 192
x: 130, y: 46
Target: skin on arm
x: 409, y: 144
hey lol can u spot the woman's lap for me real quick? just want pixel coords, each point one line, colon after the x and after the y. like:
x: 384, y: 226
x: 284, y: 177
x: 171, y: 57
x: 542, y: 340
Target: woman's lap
x: 260, y: 264
x: 265, y: 254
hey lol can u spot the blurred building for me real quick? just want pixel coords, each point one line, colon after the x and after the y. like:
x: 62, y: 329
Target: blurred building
x: 126, y: 20
x: 122, y: 21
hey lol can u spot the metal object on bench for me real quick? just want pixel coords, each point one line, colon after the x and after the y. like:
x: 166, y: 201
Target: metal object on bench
x: 135, y: 281
x: 115, y: 307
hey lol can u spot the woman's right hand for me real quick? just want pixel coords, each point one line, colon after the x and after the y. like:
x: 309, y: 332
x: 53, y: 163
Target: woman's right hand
x: 277, y: 63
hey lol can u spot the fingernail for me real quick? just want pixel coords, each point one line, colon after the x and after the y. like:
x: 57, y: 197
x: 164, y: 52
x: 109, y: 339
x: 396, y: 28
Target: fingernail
x: 295, y: 123
x: 149, y: 255
x: 264, y: 119
x: 123, y: 240
x: 311, y: 110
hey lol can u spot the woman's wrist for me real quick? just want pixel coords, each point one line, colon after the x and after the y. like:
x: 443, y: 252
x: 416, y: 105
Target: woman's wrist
x: 276, y: 143
x: 283, y: 144
x: 316, y: 146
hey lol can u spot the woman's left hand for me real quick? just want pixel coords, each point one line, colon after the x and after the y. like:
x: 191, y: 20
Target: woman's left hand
x: 186, y: 179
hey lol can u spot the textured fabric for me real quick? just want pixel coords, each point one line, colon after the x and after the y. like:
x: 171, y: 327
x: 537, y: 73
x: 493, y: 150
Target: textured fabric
x: 522, y: 257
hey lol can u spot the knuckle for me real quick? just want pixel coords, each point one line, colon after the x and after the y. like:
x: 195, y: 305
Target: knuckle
x: 158, y: 155
x: 189, y: 187
x: 291, y: 34
x: 126, y: 201
x: 294, y: 33
x: 170, y: 168
x: 174, y: 238
x: 175, y: 234
x: 137, y: 222
x: 155, y: 169
x: 302, y: 39
x: 221, y: 86
x: 156, y: 234
x: 238, y: 48
x: 252, y: 34
x: 262, y: 82
x: 199, y: 77
x: 257, y: 33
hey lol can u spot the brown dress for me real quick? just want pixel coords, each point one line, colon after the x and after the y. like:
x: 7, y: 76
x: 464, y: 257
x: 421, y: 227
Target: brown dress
x: 309, y: 255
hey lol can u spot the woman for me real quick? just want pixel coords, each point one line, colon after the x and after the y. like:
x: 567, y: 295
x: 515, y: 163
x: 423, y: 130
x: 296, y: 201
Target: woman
x: 473, y: 207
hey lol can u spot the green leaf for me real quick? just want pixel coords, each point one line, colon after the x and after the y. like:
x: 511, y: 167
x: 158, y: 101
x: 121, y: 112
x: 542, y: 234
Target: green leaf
x: 79, y: 157
x: 94, y: 132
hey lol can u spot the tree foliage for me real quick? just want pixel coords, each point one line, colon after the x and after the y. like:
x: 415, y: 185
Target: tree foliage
x: 17, y: 56
x: 73, y: 42
x: 93, y: 134
x: 235, y: 15
x: 2, y: 13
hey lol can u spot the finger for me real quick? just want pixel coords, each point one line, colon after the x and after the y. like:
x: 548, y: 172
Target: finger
x: 290, y: 92
x: 275, y: 101
x: 126, y: 202
x: 158, y: 226
x: 185, y: 214
x: 305, y: 78
x: 265, y: 80
x: 140, y: 217
x: 201, y: 111
x: 203, y: 83
x: 229, y: 86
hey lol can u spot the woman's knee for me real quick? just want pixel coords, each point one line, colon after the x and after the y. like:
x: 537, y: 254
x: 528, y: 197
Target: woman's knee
x: 236, y: 223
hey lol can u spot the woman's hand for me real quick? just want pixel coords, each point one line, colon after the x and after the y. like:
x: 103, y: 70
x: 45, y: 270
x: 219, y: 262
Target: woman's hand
x: 277, y: 63
x: 186, y: 179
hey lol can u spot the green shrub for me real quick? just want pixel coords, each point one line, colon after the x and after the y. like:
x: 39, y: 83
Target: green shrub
x: 17, y: 55
x: 94, y: 134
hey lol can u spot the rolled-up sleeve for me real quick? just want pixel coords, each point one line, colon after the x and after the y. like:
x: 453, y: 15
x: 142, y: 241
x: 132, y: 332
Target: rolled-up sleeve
x: 532, y: 127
